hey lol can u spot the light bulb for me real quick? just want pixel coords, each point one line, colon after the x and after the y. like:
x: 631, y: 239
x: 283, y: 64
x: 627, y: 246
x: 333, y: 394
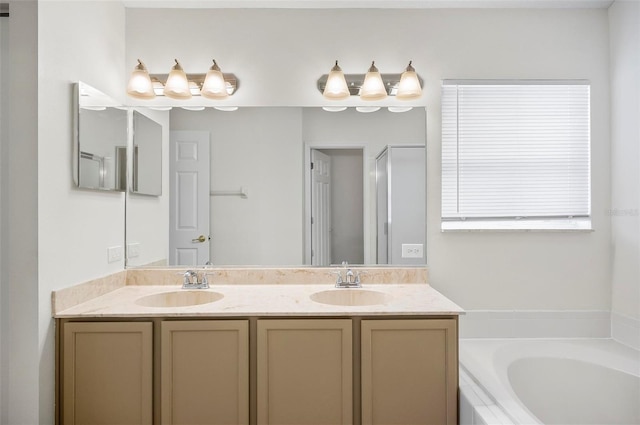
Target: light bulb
x: 177, y: 85
x: 373, y: 87
x: 214, y: 86
x: 409, y: 87
x: 336, y: 86
x: 140, y: 86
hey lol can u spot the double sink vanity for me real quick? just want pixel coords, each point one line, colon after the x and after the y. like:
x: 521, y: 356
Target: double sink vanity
x: 272, y: 346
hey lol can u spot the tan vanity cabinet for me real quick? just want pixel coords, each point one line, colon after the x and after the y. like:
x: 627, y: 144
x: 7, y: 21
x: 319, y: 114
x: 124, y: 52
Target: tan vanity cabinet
x: 304, y: 371
x: 409, y: 371
x: 204, y: 376
x: 107, y: 371
x: 297, y: 371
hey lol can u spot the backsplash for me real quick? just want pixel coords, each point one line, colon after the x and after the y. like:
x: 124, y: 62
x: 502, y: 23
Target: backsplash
x: 68, y: 297
x: 279, y: 276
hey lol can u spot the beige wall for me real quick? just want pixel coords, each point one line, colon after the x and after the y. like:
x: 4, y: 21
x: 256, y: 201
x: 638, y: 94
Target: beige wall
x: 4, y: 135
x: 624, y: 24
x: 278, y: 54
x: 20, y: 348
x: 77, y: 41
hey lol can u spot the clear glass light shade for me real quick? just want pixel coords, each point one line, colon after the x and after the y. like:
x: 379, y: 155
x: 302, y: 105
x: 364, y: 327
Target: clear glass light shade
x: 409, y: 86
x: 140, y: 86
x: 373, y: 87
x: 214, y: 86
x: 177, y: 85
x: 336, y: 87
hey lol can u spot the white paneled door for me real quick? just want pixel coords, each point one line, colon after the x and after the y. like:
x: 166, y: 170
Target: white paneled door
x: 320, y: 208
x: 189, y: 165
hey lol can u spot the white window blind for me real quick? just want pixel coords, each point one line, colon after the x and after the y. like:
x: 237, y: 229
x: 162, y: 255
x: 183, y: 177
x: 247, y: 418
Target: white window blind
x: 515, y: 150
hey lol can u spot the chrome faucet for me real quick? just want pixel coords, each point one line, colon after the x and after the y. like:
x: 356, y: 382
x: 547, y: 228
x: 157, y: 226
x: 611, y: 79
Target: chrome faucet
x: 195, y: 280
x: 350, y: 280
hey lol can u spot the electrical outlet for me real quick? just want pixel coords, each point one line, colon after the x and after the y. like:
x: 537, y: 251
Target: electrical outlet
x: 114, y: 254
x: 412, y: 250
x: 133, y: 250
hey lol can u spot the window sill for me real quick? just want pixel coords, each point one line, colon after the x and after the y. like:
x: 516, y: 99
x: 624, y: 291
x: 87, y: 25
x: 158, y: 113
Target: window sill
x: 555, y: 225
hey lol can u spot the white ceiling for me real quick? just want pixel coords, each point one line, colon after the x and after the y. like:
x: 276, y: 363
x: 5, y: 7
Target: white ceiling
x: 372, y: 4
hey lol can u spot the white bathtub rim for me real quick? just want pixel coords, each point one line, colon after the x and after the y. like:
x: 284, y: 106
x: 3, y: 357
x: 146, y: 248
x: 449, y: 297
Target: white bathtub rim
x: 490, y: 382
x: 488, y: 367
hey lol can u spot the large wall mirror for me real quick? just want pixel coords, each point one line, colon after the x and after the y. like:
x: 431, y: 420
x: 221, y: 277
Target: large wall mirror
x: 100, y: 142
x: 284, y: 186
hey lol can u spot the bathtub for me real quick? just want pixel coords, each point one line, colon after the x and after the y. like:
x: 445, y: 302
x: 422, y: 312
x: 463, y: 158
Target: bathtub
x: 567, y: 382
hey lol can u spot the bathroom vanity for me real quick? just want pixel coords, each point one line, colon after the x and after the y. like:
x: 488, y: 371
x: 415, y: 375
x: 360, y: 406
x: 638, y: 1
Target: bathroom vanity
x: 259, y: 354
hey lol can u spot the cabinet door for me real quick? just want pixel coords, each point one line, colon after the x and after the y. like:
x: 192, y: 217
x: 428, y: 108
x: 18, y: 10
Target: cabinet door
x: 305, y: 372
x: 409, y: 372
x: 107, y: 373
x: 205, y: 372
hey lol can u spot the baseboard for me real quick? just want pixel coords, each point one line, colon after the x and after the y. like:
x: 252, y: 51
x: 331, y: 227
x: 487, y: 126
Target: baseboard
x: 625, y: 330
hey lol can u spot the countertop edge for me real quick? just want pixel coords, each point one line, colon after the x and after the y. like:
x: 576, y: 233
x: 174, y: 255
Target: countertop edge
x: 250, y: 301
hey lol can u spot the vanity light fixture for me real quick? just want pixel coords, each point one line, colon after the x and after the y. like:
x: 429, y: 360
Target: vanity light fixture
x: 336, y: 87
x: 373, y: 85
x: 177, y: 85
x: 399, y: 109
x: 193, y: 108
x: 140, y: 85
x: 226, y: 108
x: 409, y: 86
x: 367, y: 109
x: 94, y: 108
x: 214, y: 86
x: 334, y: 108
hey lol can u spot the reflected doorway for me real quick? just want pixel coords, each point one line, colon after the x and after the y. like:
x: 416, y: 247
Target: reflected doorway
x: 336, y: 186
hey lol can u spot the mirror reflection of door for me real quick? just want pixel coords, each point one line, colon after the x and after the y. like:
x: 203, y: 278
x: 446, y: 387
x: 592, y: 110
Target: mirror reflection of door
x: 320, y: 208
x: 189, y: 168
x: 337, y: 199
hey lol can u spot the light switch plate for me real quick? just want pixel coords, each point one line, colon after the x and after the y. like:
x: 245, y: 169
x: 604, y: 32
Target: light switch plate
x: 114, y: 254
x: 412, y: 250
x: 133, y: 250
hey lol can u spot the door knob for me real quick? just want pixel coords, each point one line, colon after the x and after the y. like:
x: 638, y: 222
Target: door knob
x: 200, y: 239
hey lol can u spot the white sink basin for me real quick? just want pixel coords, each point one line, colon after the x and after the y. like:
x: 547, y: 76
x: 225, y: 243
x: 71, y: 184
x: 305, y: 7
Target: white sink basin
x: 179, y: 299
x: 351, y: 297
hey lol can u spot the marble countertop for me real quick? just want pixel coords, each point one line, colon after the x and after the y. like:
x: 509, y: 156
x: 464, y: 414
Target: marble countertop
x: 266, y: 300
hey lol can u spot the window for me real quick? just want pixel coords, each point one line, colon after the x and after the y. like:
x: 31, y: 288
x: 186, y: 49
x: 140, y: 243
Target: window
x: 515, y: 155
